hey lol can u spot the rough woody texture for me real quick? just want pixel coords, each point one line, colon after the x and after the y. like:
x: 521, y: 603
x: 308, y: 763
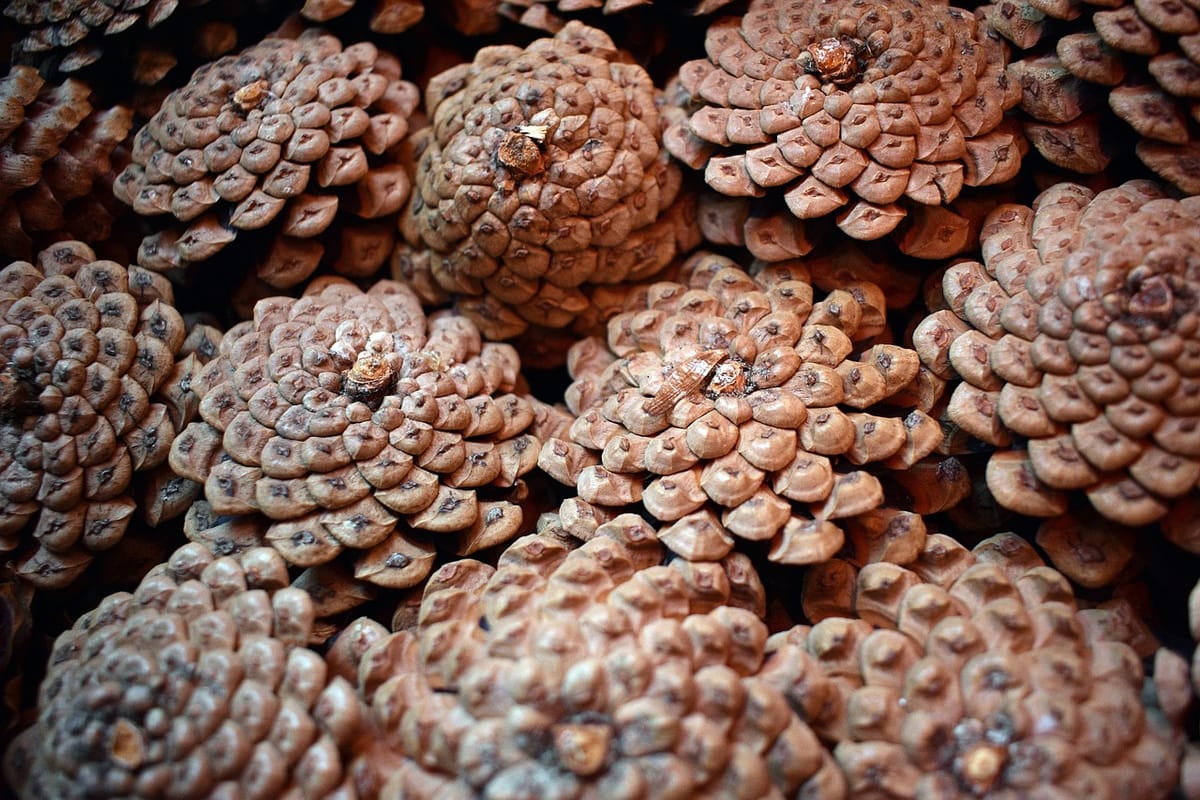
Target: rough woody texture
x: 16, y: 629
x: 198, y: 684
x: 349, y: 420
x: 482, y: 16
x: 93, y: 389
x: 540, y: 174
x: 743, y: 397
x: 1190, y: 768
x: 74, y: 30
x: 975, y: 674
x: 58, y: 158
x: 291, y: 135
x: 387, y: 16
x: 586, y: 671
x: 1079, y: 334
x: 1092, y: 551
x: 1142, y: 57
x: 858, y: 109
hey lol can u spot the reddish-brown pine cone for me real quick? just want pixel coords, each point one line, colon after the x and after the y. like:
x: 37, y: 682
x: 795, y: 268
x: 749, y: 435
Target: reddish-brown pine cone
x: 738, y: 397
x: 387, y: 16
x: 862, y: 110
x: 58, y: 159
x: 93, y: 388
x: 483, y: 16
x: 199, y: 684
x: 474, y: 17
x: 1142, y: 57
x: 592, y: 672
x: 1080, y: 333
x: 348, y: 420
x: 541, y: 173
x: 291, y: 135
x: 975, y: 674
x: 1094, y: 552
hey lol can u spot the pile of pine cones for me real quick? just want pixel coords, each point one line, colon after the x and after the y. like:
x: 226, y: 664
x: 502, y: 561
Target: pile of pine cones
x: 600, y: 399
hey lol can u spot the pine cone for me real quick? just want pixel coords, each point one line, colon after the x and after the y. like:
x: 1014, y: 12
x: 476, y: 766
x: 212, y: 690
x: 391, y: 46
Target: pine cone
x: 537, y: 13
x: 592, y: 672
x: 474, y: 17
x: 1092, y: 551
x: 1144, y: 57
x: 77, y: 26
x: 1190, y: 768
x: 146, y: 43
x: 727, y: 391
x: 387, y: 16
x: 290, y: 135
x: 16, y: 627
x: 1078, y: 333
x: 863, y: 110
x: 93, y: 390
x: 974, y: 674
x: 199, y: 684
x: 335, y: 417
x: 59, y: 156
x: 542, y: 173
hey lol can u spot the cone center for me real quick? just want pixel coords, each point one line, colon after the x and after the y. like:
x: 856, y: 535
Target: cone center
x: 835, y: 59
x: 982, y: 764
x: 252, y: 94
x: 521, y: 151
x: 369, y: 380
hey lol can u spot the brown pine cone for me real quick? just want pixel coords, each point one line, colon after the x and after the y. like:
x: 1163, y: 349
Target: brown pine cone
x: 1078, y: 334
x: 862, y: 110
x: 58, y: 159
x: 76, y: 27
x: 540, y: 174
x: 741, y: 395
x: 387, y: 16
x: 538, y: 14
x: 347, y: 420
x: 16, y: 622
x: 474, y: 17
x: 586, y: 673
x: 291, y: 135
x: 1089, y: 549
x: 974, y: 674
x: 199, y: 684
x: 146, y: 43
x: 16, y: 627
x: 93, y: 389
x: 1143, y: 57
